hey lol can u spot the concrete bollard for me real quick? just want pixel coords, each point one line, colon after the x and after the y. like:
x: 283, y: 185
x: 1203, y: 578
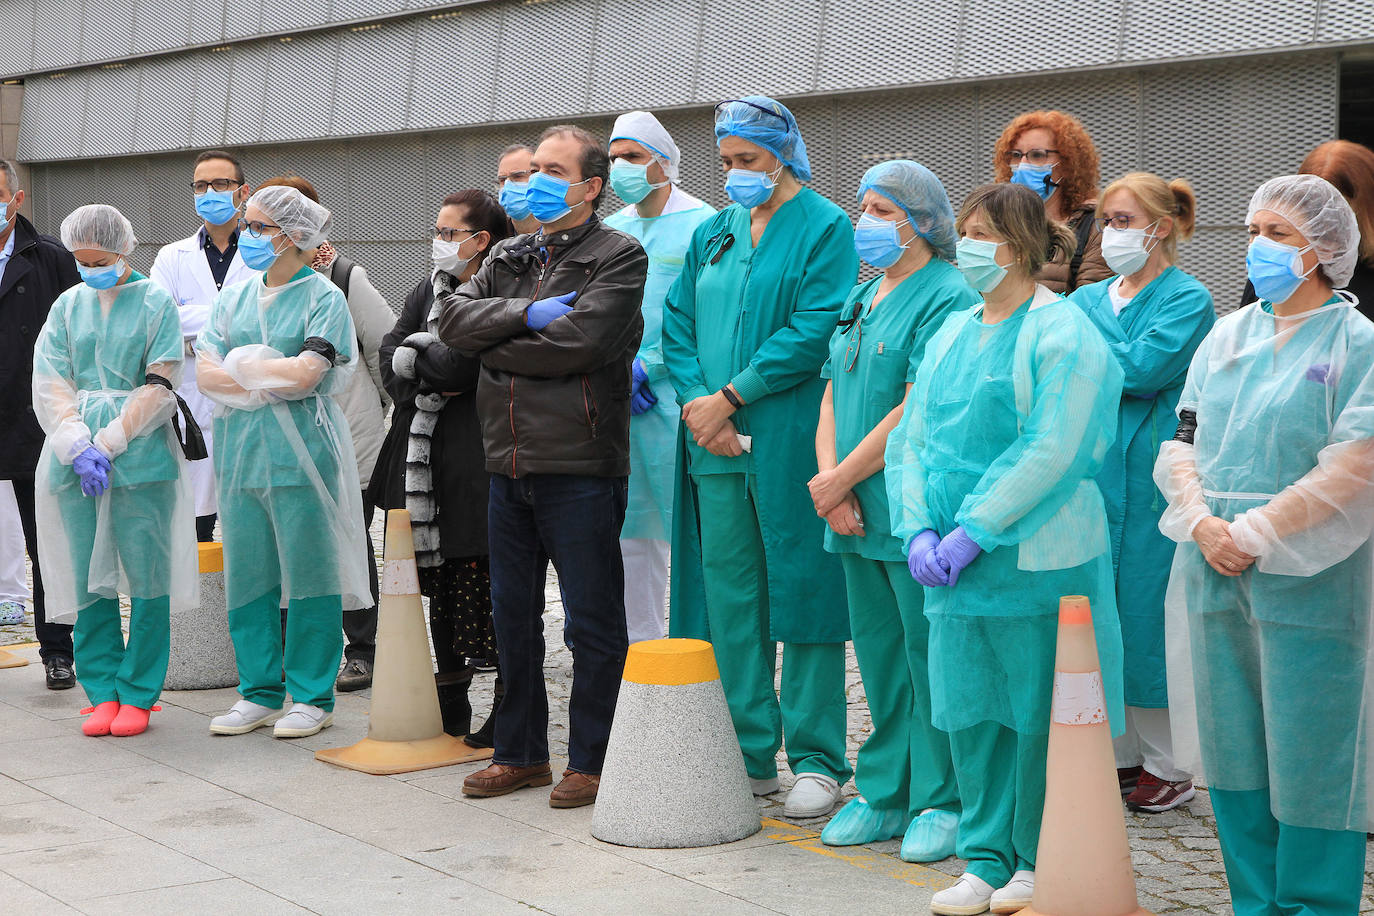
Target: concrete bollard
x: 674, y: 775
x: 202, y: 654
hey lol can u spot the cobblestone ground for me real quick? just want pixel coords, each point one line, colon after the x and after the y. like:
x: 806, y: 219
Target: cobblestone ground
x: 1177, y: 857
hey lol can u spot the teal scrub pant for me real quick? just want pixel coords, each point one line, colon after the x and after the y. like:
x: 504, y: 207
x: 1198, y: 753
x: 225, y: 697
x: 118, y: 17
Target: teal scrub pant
x: 106, y: 668
x: 1002, y: 786
x: 812, y: 709
x: 905, y: 764
x: 314, y: 645
x: 1277, y: 869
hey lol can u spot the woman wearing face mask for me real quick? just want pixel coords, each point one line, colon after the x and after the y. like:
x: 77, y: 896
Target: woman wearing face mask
x: 113, y: 498
x: 1270, y: 484
x: 1153, y: 317
x: 745, y: 332
x: 989, y: 475
x: 1051, y: 153
x: 274, y: 350
x: 432, y: 461
x: 904, y: 771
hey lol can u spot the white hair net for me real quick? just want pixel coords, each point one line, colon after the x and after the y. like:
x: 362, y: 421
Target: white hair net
x: 98, y: 226
x: 304, y: 222
x: 644, y: 129
x: 1320, y: 213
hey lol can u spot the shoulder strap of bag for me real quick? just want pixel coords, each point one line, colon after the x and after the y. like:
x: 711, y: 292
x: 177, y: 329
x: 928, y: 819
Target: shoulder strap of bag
x: 1085, y: 231
x: 340, y: 272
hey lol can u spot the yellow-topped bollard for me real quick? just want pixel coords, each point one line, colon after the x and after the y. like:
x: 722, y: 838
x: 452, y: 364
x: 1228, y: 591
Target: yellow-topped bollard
x: 202, y: 654
x: 674, y: 775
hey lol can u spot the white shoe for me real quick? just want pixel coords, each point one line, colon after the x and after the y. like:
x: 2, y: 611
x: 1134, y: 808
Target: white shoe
x: 764, y: 786
x: 242, y: 718
x: 1016, y: 894
x: 812, y: 795
x: 969, y: 895
x: 302, y: 722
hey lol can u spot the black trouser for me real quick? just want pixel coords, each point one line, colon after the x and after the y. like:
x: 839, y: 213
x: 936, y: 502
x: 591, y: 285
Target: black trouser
x: 205, y: 528
x: 54, y: 639
x: 360, y: 626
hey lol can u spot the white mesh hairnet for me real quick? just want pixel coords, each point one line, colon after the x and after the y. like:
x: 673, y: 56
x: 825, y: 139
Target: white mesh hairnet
x: 98, y: 226
x: 644, y: 129
x: 1320, y: 213
x: 304, y: 222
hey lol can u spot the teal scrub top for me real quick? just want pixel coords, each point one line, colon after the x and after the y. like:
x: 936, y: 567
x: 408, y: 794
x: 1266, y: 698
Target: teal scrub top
x: 870, y: 364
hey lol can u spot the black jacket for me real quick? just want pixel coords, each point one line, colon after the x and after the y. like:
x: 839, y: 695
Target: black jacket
x: 39, y: 270
x: 456, y: 460
x: 555, y: 401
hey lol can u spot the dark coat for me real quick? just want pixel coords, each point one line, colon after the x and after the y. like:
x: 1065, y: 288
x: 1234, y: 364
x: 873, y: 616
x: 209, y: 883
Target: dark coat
x: 456, y: 460
x: 39, y: 271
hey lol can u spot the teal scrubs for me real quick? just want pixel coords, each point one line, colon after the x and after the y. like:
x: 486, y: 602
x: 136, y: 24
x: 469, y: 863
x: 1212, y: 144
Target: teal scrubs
x: 1006, y: 426
x: 904, y: 764
x: 653, y: 434
x: 1153, y: 340
x: 749, y: 569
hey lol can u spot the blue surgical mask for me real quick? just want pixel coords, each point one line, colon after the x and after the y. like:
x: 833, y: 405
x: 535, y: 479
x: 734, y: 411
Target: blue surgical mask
x: 513, y: 200
x: 749, y: 188
x: 1035, y: 177
x: 631, y: 181
x: 548, y: 196
x: 5, y: 212
x: 102, y: 277
x: 216, y: 207
x: 977, y: 261
x: 876, y: 240
x: 257, y: 251
x: 1275, y: 269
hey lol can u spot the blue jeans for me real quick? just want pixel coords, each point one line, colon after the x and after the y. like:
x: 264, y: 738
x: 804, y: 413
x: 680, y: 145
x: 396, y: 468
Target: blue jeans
x: 575, y: 522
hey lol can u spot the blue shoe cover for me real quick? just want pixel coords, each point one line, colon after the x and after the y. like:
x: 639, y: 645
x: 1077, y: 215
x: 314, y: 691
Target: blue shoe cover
x: 858, y: 822
x: 931, y: 836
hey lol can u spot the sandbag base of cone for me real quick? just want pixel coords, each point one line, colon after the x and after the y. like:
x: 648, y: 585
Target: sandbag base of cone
x: 1032, y: 911
x: 10, y: 660
x: 387, y: 758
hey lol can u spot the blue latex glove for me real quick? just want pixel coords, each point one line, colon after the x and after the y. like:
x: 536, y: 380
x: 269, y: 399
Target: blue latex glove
x: 642, y: 395
x: 94, y: 470
x: 956, y: 551
x: 920, y: 559
x: 542, y: 311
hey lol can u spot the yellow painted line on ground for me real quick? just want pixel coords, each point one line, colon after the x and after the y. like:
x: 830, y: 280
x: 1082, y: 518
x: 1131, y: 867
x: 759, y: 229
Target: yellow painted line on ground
x: 858, y: 856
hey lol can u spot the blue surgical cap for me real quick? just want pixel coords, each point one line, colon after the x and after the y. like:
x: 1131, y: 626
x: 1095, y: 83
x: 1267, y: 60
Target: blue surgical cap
x: 768, y: 124
x: 915, y: 189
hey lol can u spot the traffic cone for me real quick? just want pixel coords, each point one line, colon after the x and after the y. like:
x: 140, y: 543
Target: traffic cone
x: 405, y: 730
x: 1083, y: 866
x: 10, y: 660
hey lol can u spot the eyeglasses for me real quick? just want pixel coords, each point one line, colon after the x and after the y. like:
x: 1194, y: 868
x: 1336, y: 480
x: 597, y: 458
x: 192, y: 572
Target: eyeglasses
x: 1033, y: 156
x: 513, y: 176
x: 219, y: 184
x: 1120, y: 221
x: 767, y: 111
x: 449, y: 235
x: 256, y: 227
x: 854, y: 328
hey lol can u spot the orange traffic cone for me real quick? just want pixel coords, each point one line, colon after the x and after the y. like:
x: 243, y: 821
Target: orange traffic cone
x: 1083, y: 866
x: 10, y: 660
x: 405, y: 730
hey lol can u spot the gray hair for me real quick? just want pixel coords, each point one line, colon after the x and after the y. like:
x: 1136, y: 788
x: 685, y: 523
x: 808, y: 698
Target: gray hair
x: 11, y: 175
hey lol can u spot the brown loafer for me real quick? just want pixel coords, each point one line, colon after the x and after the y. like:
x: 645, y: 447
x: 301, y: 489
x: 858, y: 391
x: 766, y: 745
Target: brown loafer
x: 500, y: 779
x: 576, y: 790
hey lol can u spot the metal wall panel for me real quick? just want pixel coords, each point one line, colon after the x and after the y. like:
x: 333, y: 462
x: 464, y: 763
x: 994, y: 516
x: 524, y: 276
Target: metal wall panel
x: 1215, y: 26
x: 16, y: 52
x: 999, y: 37
x: 57, y: 34
x: 52, y: 119
x: 376, y: 73
x: 247, y: 92
x: 454, y: 68
x: 658, y: 79
x: 546, y: 61
x: 167, y: 26
x: 292, y: 109
x: 1345, y: 20
x: 206, y: 21
x: 875, y: 43
x: 210, y: 101
x: 112, y: 110
x: 107, y: 29
x: 740, y: 49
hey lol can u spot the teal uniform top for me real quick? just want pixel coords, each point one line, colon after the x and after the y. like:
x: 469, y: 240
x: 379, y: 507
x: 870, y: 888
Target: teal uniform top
x: 761, y: 318
x: 1153, y: 340
x: 653, y: 434
x: 870, y: 364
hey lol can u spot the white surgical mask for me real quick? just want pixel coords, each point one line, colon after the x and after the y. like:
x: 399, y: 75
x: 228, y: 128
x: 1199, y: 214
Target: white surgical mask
x: 446, y: 258
x: 1127, y: 250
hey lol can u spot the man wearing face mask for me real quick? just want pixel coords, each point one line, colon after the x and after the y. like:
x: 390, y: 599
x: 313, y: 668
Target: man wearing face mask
x: 34, y: 270
x: 512, y: 181
x: 662, y: 217
x: 194, y: 270
x: 555, y: 319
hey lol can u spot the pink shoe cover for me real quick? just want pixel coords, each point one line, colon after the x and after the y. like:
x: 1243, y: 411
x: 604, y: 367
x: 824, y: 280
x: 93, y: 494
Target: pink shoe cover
x: 130, y: 721
x: 101, y: 717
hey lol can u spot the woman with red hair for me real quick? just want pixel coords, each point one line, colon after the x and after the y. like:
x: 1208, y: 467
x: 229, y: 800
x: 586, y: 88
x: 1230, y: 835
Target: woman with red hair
x: 1051, y: 153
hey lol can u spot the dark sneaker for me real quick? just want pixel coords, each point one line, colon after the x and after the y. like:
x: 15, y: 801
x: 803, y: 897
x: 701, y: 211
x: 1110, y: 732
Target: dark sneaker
x: 1154, y: 795
x: 1129, y: 778
x: 356, y: 675
x: 59, y: 673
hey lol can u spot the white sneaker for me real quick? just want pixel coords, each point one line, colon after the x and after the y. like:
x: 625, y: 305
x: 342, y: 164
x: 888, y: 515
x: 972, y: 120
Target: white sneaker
x: 1016, y: 894
x: 812, y: 795
x: 302, y: 722
x: 969, y: 895
x: 242, y: 718
x: 764, y: 786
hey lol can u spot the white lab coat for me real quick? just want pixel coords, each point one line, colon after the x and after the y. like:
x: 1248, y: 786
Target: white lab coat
x: 182, y: 270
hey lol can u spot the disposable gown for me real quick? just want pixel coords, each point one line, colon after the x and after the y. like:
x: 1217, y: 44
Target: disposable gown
x: 1153, y: 340
x: 288, y: 481
x: 1004, y: 430
x: 1270, y: 669
x: 89, y: 365
x: 653, y: 434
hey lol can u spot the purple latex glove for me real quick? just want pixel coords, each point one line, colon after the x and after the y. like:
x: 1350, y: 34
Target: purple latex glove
x: 956, y: 551
x: 542, y: 311
x: 642, y: 395
x: 921, y: 560
x: 94, y: 470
